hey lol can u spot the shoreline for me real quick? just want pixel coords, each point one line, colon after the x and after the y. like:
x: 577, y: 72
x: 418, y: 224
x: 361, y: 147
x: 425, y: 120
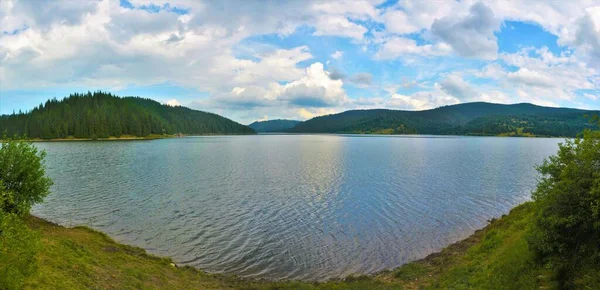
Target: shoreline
x: 417, y: 274
x: 126, y: 138
x: 158, y: 137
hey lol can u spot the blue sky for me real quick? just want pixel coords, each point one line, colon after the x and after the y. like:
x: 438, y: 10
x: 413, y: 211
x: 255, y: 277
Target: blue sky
x: 299, y: 59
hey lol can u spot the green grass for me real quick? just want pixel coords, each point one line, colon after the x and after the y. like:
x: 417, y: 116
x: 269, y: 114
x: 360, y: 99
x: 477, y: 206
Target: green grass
x: 496, y: 257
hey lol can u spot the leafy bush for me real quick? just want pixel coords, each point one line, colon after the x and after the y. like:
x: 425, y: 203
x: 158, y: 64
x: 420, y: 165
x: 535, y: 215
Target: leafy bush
x: 566, y: 229
x: 23, y: 175
x: 23, y: 183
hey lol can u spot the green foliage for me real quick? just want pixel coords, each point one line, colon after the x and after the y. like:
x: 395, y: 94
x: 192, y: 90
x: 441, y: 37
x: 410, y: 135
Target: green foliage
x: 23, y: 180
x: 566, y: 230
x: 22, y: 184
x: 101, y: 115
x: 463, y: 119
x: 273, y: 125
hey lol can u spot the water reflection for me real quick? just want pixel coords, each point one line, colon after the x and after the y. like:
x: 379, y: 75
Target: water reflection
x: 298, y: 206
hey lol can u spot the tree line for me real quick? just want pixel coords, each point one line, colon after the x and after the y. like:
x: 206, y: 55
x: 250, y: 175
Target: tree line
x: 102, y: 115
x: 463, y: 119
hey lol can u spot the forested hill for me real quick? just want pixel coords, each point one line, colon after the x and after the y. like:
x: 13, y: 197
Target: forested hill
x: 102, y: 115
x: 464, y: 119
x: 278, y: 125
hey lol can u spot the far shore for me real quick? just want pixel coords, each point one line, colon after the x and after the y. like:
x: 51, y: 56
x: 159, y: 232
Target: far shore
x: 358, y: 134
x: 122, y: 138
x: 125, y: 138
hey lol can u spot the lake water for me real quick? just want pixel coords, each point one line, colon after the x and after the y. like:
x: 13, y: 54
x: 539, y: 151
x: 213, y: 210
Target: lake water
x: 307, y: 207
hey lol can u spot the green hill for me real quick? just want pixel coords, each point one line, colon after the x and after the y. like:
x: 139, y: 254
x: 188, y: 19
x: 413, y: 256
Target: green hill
x: 464, y: 119
x: 278, y: 125
x: 103, y: 115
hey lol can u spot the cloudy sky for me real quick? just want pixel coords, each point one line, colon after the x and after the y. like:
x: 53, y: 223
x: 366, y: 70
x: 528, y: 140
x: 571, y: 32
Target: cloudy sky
x: 250, y: 60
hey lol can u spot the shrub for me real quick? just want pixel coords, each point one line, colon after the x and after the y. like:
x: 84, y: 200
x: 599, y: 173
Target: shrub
x: 566, y: 229
x: 23, y: 183
x: 23, y: 174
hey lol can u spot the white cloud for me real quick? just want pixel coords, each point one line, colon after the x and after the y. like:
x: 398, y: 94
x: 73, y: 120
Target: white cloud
x: 309, y: 113
x: 421, y: 14
x: 315, y: 89
x: 543, y: 75
x: 98, y: 44
x: 396, y: 21
x: 361, y: 79
x: 455, y: 86
x: 414, y: 103
x: 593, y: 97
x: 587, y: 37
x: 395, y: 47
x: 491, y: 71
x: 471, y: 35
x: 418, y: 101
x: 264, y: 118
x: 531, y: 78
x: 355, y: 9
x: 173, y: 103
x: 335, y: 25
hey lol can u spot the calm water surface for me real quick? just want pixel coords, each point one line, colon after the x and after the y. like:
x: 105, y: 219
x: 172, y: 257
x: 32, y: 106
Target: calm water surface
x: 291, y: 206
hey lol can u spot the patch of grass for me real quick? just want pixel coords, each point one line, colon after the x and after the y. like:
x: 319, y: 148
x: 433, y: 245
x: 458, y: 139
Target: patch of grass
x: 496, y: 257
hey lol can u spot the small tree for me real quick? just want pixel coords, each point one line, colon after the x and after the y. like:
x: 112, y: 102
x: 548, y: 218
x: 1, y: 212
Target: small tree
x: 566, y: 229
x: 23, y: 175
x: 22, y: 184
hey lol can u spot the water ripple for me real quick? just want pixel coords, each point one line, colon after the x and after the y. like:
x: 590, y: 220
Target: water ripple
x: 290, y: 207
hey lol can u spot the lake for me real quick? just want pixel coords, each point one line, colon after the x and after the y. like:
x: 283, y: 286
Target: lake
x: 309, y: 207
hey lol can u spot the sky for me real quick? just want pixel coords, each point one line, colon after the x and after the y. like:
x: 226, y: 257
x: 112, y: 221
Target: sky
x: 263, y: 60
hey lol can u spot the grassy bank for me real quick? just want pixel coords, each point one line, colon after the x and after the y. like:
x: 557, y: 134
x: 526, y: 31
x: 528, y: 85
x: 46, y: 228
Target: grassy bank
x: 496, y: 257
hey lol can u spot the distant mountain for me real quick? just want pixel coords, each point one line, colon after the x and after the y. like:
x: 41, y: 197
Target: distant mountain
x: 278, y: 125
x: 101, y: 115
x: 464, y: 119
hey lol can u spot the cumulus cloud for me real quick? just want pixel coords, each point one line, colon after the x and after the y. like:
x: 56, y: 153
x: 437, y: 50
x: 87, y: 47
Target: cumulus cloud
x: 396, y: 21
x: 336, y: 74
x: 355, y: 9
x: 544, y: 75
x: 471, y: 35
x: 362, y: 79
x: 491, y: 71
x: 339, y: 26
x: 423, y: 100
x: 315, y: 89
x: 409, y: 16
x: 99, y: 44
x: 455, y: 86
x: 531, y: 78
x: 587, y: 37
x: 173, y: 103
x: 395, y: 47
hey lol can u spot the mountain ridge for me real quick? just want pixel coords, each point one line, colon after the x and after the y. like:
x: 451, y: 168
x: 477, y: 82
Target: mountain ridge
x: 276, y: 125
x: 476, y: 118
